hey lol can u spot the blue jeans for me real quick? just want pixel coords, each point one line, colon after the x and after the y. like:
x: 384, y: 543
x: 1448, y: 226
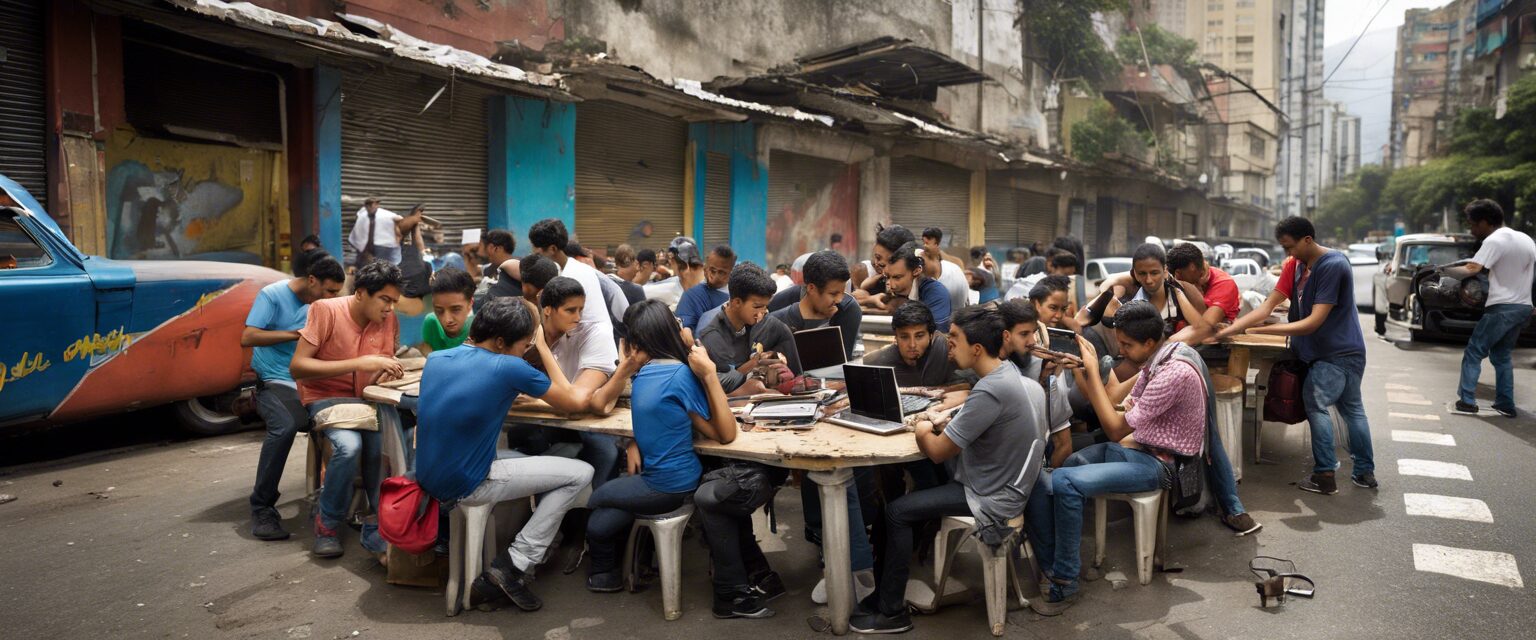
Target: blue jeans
x: 599, y: 450
x: 348, y: 449
x: 614, y: 506
x: 1494, y: 339
x: 1219, y: 476
x: 1054, y: 514
x: 1337, y: 384
x: 279, y: 407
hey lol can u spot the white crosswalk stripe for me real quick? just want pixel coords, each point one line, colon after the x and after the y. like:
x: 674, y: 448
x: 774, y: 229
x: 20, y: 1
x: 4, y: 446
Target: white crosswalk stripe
x: 1427, y: 417
x: 1402, y: 397
x: 1423, y: 437
x: 1433, y: 469
x: 1426, y: 504
x: 1393, y: 386
x: 1485, y: 566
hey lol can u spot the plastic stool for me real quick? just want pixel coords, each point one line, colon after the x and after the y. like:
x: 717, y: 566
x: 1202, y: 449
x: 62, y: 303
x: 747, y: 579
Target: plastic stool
x: 667, y: 530
x: 1151, y: 522
x: 997, y: 565
x: 316, y: 458
x: 1229, y: 419
x: 470, y: 526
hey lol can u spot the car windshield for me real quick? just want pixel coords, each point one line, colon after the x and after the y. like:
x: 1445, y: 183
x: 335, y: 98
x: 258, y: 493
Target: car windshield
x: 1419, y: 255
x: 17, y: 249
x: 1116, y: 265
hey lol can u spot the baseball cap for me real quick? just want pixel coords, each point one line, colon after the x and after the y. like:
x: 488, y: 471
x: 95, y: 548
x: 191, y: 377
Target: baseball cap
x: 686, y: 250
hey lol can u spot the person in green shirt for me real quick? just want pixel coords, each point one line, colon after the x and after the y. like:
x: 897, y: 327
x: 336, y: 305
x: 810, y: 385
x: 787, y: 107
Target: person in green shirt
x: 453, y: 293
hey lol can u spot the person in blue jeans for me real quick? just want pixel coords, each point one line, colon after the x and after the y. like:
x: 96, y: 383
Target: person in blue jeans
x: 674, y: 394
x: 1508, y: 257
x: 1325, y: 333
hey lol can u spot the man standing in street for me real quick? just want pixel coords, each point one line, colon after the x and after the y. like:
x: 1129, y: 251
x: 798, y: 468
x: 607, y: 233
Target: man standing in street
x: 272, y: 327
x: 1325, y: 334
x: 1508, y: 256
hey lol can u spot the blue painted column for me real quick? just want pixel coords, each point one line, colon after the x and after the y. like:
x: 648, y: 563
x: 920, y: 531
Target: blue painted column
x: 749, y: 185
x: 532, y: 164
x: 328, y: 158
x: 699, y: 136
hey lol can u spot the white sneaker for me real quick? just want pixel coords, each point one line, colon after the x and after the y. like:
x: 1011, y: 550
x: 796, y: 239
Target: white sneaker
x: 863, y: 585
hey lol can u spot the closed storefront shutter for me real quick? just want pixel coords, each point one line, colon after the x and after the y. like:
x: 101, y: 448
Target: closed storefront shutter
x: 1163, y: 222
x: 717, y: 199
x: 809, y: 199
x: 925, y: 194
x: 22, y: 97
x: 392, y: 149
x: 1017, y: 217
x: 1037, y: 217
x: 629, y: 169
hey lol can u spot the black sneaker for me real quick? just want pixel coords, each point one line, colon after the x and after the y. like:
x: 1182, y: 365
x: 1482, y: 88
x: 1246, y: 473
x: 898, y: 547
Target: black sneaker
x: 514, y: 583
x: 1364, y: 480
x: 871, y: 623
x: 740, y: 602
x: 608, y: 582
x: 266, y: 525
x: 1508, y: 413
x: 1319, y: 483
x: 1241, y: 523
x: 1057, y: 600
x: 1464, y: 408
x: 769, y: 586
x: 486, y: 596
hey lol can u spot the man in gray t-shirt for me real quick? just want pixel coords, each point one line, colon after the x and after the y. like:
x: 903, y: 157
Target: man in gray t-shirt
x: 989, y: 440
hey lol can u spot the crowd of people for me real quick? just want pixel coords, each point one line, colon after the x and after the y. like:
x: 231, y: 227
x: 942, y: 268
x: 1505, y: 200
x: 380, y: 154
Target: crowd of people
x: 1120, y: 406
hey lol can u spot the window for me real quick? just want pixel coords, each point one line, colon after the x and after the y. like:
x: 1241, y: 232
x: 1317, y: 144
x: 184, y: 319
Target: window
x: 1214, y: 24
x: 1244, y: 21
x: 17, y: 248
x: 1407, y: 58
x: 1214, y: 6
x: 1255, y: 145
x: 1422, y: 254
x: 1245, y: 56
x: 1244, y: 4
x: 1242, y: 40
x: 1431, y: 56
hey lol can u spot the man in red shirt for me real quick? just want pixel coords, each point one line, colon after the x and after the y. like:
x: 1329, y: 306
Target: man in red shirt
x: 1219, y: 292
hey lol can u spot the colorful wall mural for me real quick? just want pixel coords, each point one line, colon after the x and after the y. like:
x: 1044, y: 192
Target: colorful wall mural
x: 808, y: 222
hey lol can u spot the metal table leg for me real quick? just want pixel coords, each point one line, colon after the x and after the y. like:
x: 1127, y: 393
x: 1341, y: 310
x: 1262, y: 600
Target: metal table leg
x: 835, y: 547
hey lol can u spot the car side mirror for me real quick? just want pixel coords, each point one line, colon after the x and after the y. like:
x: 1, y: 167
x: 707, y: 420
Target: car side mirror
x: 1383, y: 253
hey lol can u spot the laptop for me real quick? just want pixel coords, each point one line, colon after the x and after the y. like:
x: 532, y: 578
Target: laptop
x: 874, y: 403
x: 821, y: 352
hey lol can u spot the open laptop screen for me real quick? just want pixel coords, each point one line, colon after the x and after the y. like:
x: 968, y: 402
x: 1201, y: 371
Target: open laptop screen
x: 872, y: 392
x: 820, y: 347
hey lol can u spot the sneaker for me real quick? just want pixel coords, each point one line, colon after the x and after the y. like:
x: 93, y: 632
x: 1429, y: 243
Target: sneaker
x: 1364, y: 480
x: 1508, y: 413
x: 769, y: 586
x: 740, y: 602
x: 266, y: 525
x: 1319, y: 483
x: 1242, y: 523
x: 486, y: 596
x: 513, y: 582
x: 608, y: 582
x: 870, y: 623
x: 1464, y: 408
x: 863, y: 585
x: 370, y: 539
x: 327, y: 541
x: 1057, y: 600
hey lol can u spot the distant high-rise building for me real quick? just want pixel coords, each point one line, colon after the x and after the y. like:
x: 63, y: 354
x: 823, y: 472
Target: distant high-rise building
x: 1301, y: 99
x: 1432, y: 46
x: 1340, y: 145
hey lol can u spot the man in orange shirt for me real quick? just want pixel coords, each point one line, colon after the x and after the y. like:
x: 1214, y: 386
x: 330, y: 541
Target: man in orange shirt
x: 347, y: 344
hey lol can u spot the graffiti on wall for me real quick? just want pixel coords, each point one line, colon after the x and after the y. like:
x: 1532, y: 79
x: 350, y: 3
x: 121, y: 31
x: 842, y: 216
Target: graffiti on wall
x: 808, y: 222
x: 169, y: 200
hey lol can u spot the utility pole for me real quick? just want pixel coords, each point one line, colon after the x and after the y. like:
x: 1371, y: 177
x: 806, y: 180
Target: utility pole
x: 1306, y: 111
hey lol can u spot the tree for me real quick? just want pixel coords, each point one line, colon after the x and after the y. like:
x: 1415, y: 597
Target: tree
x: 1353, y: 207
x: 1162, y: 47
x: 1104, y: 131
x: 1063, y: 31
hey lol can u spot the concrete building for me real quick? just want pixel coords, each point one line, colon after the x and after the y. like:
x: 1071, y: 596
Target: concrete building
x: 1340, y: 145
x: 1425, y: 76
x: 1300, y: 98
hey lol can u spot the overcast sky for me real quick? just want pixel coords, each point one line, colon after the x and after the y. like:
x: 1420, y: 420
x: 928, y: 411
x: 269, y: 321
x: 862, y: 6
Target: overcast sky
x: 1343, y: 20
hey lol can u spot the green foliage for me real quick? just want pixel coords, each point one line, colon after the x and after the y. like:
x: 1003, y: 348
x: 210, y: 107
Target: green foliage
x: 1162, y: 47
x: 1351, y: 209
x: 1063, y: 32
x: 1104, y: 131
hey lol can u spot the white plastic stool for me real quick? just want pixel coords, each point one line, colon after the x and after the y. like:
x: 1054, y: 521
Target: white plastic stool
x: 1229, y: 419
x: 997, y: 567
x: 1340, y: 433
x: 469, y: 527
x: 667, y: 530
x: 1151, y: 522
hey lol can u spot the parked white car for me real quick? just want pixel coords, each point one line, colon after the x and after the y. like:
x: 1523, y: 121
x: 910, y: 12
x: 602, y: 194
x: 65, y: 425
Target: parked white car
x: 1100, y: 269
x: 1249, y: 276
x: 1365, y: 264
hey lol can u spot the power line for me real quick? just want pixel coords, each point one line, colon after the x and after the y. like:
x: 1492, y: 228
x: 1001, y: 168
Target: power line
x: 1351, y: 49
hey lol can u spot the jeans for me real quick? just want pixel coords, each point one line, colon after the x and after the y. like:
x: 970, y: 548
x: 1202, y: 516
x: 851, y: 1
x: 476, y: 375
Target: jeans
x: 1337, y: 384
x: 555, y: 480
x: 901, y: 517
x: 1219, y: 476
x: 614, y: 506
x: 1494, y: 339
x: 392, y: 254
x: 598, y: 450
x: 279, y: 407
x: 348, y: 449
x: 733, y: 548
x: 861, y: 491
x: 1054, y: 514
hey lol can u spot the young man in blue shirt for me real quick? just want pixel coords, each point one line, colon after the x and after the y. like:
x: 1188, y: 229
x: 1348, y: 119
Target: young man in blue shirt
x: 712, y: 292
x: 904, y: 279
x: 1325, y: 334
x: 272, y: 327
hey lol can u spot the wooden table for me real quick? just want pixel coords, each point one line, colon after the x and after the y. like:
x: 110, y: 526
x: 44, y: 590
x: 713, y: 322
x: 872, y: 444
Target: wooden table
x: 828, y: 452
x: 1258, y: 353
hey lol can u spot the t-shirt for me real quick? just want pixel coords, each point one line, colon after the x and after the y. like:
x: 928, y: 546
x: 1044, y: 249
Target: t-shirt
x: 782, y: 281
x: 729, y: 347
x: 435, y: 336
x: 1169, y: 408
x: 995, y: 429
x: 936, y: 296
x: 1058, y: 407
x: 596, y: 308
x: 383, y: 229
x: 336, y: 336
x: 988, y: 288
x: 669, y: 291
x: 1508, y: 255
x: 634, y: 293
x: 466, y: 392
x: 1221, y: 291
x: 952, y: 276
x: 586, y: 346
x: 662, y: 395
x: 697, y: 300
x: 1287, y: 277
x: 934, y: 369
x: 501, y: 285
x: 786, y: 307
x: 1331, y: 281
x: 277, y: 308
x: 1023, y: 286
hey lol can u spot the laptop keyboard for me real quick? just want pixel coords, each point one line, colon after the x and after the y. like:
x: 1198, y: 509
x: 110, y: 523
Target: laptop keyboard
x: 854, y: 417
x: 911, y: 403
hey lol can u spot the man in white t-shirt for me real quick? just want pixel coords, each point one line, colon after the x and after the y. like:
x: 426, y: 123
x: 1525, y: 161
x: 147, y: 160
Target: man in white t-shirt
x: 944, y: 269
x: 549, y: 239
x: 1508, y: 256
x: 386, y: 239
x: 687, y: 268
x: 586, y: 354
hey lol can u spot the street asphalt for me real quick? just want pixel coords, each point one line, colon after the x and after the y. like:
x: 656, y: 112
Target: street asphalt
x: 120, y: 530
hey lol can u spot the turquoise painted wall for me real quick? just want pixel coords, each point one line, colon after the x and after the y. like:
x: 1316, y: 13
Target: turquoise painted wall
x: 532, y: 164
x: 749, y: 185
x: 328, y: 157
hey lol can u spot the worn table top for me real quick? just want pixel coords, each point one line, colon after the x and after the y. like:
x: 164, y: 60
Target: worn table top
x: 1259, y: 343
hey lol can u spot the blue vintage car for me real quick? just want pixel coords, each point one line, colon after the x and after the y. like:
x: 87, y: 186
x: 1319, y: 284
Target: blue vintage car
x: 85, y: 336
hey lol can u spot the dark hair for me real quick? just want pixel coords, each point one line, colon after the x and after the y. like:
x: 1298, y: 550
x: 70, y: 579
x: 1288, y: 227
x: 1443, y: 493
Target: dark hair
x: 1485, y: 210
x: 501, y: 239
x: 1016, y: 312
x: 646, y: 255
x: 724, y: 251
x: 574, y: 249
x: 1184, y: 255
x: 836, y: 238
x: 824, y: 267
x: 549, y: 232
x: 622, y: 255
x: 933, y: 232
x: 558, y: 290
x: 1071, y: 245
x: 1049, y: 285
x: 374, y: 276
x: 322, y: 266
x: 654, y: 330
x: 748, y: 280
x: 893, y: 237
x: 907, y: 255
x: 1064, y: 259
x: 1147, y: 251
x: 982, y: 325
x: 420, y: 206
x: 311, y: 239
x: 1296, y: 227
x: 453, y: 280
x: 1139, y: 321
x: 912, y: 314
x: 781, y: 266
x: 538, y: 270
x: 505, y: 318
x: 978, y: 253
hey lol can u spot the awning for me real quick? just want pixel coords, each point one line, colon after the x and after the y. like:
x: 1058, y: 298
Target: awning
x: 888, y: 66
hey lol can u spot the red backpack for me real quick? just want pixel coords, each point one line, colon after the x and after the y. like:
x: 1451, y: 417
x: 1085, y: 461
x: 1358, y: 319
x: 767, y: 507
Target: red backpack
x: 407, y: 515
x: 1283, y: 401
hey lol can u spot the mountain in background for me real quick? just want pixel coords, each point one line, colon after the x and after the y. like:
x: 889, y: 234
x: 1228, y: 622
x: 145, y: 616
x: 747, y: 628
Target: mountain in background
x: 1364, y: 85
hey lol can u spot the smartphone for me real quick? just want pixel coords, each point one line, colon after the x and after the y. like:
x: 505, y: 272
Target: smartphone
x: 1063, y: 341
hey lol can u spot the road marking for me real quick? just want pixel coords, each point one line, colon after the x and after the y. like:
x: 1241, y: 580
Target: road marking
x: 1401, y: 374
x: 1430, y: 417
x: 1424, y: 437
x: 1393, y: 386
x: 1424, y: 504
x: 1408, y: 398
x: 1484, y: 566
x: 1433, y: 469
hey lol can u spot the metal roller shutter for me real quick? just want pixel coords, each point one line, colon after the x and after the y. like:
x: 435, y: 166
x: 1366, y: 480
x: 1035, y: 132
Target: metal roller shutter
x: 629, y: 169
x: 925, y: 193
x: 1037, y: 216
x: 1163, y: 223
x: 1019, y: 218
x: 23, y: 141
x: 809, y: 199
x: 717, y: 199
x: 393, y: 149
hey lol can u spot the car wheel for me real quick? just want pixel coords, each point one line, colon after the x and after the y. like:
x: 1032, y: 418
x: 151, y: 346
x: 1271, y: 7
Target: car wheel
x: 1418, y: 315
x: 208, y: 416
